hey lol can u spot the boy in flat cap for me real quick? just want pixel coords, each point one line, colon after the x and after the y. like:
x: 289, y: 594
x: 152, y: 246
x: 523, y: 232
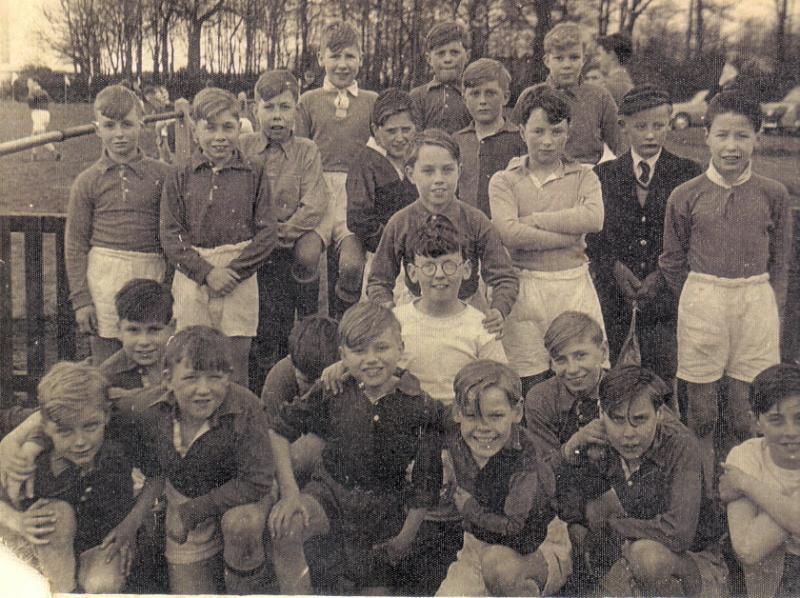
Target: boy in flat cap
x: 636, y: 187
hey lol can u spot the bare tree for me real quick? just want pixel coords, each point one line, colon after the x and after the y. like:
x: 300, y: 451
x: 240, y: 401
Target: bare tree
x: 195, y: 14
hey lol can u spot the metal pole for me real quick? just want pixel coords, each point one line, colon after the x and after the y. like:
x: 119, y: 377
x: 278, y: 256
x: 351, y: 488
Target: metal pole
x: 20, y: 145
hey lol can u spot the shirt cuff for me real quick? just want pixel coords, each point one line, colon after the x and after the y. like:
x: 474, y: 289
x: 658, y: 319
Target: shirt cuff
x: 81, y: 299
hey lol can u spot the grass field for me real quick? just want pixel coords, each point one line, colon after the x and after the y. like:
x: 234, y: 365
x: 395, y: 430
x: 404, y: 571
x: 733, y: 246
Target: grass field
x: 43, y: 186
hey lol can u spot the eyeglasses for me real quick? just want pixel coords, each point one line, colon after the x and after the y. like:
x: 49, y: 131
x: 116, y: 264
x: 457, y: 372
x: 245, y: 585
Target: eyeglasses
x: 448, y: 267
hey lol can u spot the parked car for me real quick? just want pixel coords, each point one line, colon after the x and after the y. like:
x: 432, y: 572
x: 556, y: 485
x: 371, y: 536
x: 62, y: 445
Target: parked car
x: 783, y: 115
x: 691, y: 113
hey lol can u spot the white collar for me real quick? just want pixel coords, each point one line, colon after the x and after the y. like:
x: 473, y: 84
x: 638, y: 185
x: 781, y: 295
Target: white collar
x: 328, y: 86
x: 716, y: 177
x: 651, y: 162
x: 372, y: 144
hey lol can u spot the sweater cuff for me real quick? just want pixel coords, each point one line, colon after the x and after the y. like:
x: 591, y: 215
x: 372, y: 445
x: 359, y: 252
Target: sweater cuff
x: 193, y: 512
x: 501, y: 304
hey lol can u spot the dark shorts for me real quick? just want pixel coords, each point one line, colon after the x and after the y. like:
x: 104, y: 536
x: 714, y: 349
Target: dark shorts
x: 790, y: 582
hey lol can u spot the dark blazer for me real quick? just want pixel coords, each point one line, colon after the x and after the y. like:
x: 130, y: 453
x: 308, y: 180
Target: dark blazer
x: 633, y: 234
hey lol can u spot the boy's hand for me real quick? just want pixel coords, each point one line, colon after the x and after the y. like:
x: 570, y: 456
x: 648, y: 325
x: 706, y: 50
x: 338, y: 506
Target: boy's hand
x: 86, y: 318
x: 460, y: 497
x: 333, y: 377
x: 16, y: 473
x: 396, y: 547
x: 37, y: 523
x: 627, y: 282
x: 592, y: 433
x: 650, y: 287
x: 222, y: 280
x: 122, y: 540
x: 493, y: 322
x: 283, y: 513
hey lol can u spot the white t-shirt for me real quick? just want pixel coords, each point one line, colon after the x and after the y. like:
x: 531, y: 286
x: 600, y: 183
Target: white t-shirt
x: 437, y: 348
x: 753, y: 458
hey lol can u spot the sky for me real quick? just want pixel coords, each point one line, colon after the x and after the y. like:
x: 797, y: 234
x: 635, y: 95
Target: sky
x: 26, y: 19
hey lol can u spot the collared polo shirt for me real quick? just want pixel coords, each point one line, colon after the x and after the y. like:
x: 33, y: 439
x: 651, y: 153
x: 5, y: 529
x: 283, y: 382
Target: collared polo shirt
x: 441, y: 106
x: 204, y: 206
x: 480, y: 159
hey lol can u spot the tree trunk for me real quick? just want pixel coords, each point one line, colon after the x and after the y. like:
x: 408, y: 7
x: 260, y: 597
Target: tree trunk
x: 195, y: 35
x: 544, y: 22
x: 699, y: 34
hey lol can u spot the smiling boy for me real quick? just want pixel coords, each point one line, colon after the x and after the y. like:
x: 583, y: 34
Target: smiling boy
x: 217, y: 227
x: 503, y: 492
x: 761, y: 482
x: 731, y: 294
x: 112, y: 220
x: 374, y: 429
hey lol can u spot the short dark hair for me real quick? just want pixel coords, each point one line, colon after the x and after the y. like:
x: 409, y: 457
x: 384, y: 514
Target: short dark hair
x: 772, y: 386
x: 445, y: 32
x: 338, y: 35
x: 205, y: 348
x: 552, y: 101
x: 436, y: 137
x: 736, y: 102
x: 436, y: 237
x: 274, y: 83
x: 393, y: 101
x: 364, y: 322
x: 143, y: 300
x: 627, y: 383
x: 313, y: 345
x: 619, y: 43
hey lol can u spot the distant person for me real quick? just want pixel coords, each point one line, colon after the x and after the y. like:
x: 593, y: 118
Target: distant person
x: 244, y: 111
x: 614, y: 52
x: 39, y: 103
x: 156, y: 101
x: 592, y: 73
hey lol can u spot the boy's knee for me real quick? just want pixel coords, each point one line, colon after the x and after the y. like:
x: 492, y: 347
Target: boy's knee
x: 307, y: 252
x: 101, y: 578
x: 66, y: 525
x: 502, y: 569
x: 649, y: 560
x: 243, y: 523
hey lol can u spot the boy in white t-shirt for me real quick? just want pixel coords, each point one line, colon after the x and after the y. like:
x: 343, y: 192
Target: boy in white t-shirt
x: 441, y: 333
x: 761, y: 485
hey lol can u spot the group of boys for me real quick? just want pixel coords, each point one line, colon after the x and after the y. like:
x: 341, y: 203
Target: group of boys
x: 453, y: 427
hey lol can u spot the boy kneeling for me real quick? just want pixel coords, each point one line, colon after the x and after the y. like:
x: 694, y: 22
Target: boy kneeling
x: 82, y: 504
x: 504, y: 493
x: 654, y: 518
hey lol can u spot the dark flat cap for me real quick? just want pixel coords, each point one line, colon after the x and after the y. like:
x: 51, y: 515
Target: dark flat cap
x: 643, y: 97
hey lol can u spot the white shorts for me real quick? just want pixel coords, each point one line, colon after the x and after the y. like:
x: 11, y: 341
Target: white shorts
x: 465, y: 578
x: 333, y: 228
x: 203, y: 542
x: 40, y: 118
x: 542, y: 297
x: 726, y: 326
x: 235, y: 314
x: 107, y: 271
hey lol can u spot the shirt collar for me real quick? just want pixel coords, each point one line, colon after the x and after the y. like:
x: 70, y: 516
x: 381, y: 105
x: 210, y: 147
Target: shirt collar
x: 435, y: 83
x: 572, y: 90
x: 507, y: 127
x: 106, y: 163
x: 236, y: 162
x: 450, y: 211
x: 651, y: 162
x: 717, y: 179
x: 329, y: 87
x: 373, y: 145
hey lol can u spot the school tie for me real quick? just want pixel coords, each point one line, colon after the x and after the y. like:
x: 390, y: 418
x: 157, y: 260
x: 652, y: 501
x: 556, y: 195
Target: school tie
x: 644, y: 177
